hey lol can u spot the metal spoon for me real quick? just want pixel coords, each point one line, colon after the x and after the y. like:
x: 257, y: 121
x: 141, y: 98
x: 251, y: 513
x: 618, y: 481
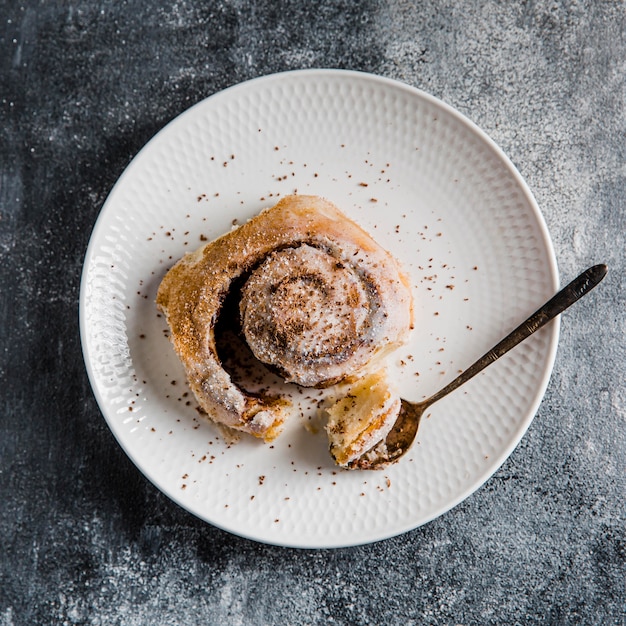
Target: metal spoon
x: 403, y: 433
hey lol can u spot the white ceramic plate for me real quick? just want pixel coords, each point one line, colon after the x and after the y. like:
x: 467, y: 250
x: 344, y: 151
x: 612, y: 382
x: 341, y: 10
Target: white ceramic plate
x: 428, y: 185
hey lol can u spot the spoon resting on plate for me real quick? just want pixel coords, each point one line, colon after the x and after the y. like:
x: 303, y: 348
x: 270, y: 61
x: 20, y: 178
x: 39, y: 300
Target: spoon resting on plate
x: 404, y: 431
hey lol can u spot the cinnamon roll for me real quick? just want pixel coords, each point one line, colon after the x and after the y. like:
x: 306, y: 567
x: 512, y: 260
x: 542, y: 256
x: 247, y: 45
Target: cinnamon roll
x: 319, y: 302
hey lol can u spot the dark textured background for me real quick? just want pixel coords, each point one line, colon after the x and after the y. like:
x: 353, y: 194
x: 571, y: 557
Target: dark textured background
x: 84, y: 538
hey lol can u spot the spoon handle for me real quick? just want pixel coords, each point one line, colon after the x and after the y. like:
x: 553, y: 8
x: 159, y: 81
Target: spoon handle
x: 553, y: 307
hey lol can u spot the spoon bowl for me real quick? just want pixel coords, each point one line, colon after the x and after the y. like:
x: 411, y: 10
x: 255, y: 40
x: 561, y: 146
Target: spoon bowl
x: 402, y: 435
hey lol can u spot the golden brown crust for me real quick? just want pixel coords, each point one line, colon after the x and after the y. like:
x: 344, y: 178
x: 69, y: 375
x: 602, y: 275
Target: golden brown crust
x: 192, y: 294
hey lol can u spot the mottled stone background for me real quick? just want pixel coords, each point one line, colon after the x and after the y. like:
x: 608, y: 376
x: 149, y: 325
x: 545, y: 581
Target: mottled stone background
x: 84, y: 538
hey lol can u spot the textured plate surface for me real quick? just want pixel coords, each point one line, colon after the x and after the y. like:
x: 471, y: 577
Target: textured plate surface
x: 429, y: 186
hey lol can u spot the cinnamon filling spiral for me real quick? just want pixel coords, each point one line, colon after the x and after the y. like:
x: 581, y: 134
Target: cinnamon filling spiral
x: 308, y: 315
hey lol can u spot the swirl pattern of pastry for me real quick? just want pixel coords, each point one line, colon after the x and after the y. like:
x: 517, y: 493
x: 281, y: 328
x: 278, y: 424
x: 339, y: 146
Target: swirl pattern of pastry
x: 319, y: 303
